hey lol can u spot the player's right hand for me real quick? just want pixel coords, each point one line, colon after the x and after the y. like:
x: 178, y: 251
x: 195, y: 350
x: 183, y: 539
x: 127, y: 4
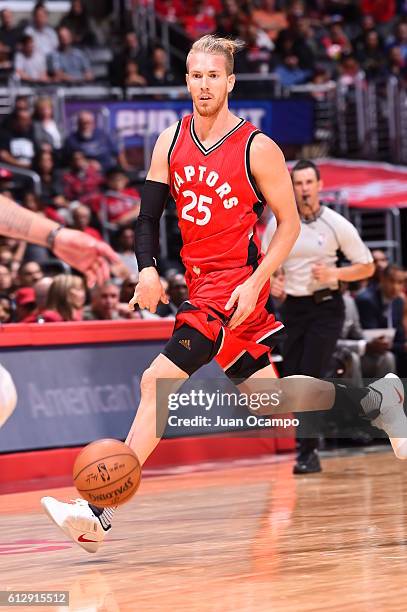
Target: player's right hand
x: 149, y: 291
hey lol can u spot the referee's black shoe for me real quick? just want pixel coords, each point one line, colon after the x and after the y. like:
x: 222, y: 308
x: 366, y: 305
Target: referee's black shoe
x: 307, y: 463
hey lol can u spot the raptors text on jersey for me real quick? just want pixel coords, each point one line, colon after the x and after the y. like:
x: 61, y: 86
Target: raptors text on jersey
x: 217, y: 201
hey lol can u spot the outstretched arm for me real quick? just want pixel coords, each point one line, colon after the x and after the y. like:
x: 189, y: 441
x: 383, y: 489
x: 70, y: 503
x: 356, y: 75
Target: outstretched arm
x: 76, y: 248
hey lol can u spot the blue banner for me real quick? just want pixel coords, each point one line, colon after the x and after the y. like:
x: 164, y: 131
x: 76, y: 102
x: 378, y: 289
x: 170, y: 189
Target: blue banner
x: 286, y: 121
x: 71, y: 395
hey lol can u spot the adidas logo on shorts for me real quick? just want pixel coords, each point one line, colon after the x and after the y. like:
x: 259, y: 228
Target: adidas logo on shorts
x: 186, y: 344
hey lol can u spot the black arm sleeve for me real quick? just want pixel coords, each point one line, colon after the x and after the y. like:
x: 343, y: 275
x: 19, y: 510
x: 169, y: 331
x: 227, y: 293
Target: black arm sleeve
x: 153, y: 201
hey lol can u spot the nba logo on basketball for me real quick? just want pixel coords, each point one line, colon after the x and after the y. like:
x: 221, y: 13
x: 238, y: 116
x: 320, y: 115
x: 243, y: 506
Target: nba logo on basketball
x: 104, y: 474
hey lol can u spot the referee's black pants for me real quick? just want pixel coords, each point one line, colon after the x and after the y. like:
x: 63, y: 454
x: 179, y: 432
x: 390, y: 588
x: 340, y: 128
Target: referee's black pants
x: 312, y: 333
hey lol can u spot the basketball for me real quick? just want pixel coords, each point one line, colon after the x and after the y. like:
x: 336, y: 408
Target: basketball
x: 107, y: 473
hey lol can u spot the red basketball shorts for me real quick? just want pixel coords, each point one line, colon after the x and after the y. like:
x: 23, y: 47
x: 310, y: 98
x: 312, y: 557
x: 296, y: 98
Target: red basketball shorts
x: 201, y: 331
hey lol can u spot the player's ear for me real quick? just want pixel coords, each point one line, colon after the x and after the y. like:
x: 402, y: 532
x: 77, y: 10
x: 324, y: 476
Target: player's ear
x: 320, y: 185
x: 231, y: 82
x: 187, y: 80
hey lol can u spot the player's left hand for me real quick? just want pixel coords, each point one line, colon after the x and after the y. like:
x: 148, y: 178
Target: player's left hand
x: 325, y: 274
x: 245, y: 295
x: 86, y: 254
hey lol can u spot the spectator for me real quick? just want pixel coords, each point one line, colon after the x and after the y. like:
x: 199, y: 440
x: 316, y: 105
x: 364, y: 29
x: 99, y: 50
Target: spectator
x: 81, y: 221
x: 382, y: 11
x: 132, y: 76
x: 21, y: 103
x: 17, y: 145
x: 169, y: 10
x: 229, y: 20
x: 352, y: 337
x: 397, y: 66
x: 41, y: 289
x: 104, y: 303
x: 68, y: 64
x: 67, y: 296
x: 267, y: 18
x: 177, y: 292
x: 381, y: 261
x: 25, y: 303
x: 51, y: 183
x: 6, y: 65
x: 119, y: 204
x: 29, y: 273
x: 6, y: 309
x: 30, y: 64
x: 78, y: 22
x: 41, y: 314
x: 131, y: 51
x: 6, y: 280
x: 200, y: 20
x: 95, y: 143
x: 82, y: 178
x: 6, y: 256
x: 367, y: 24
x: 336, y: 42
x: 349, y: 70
x: 382, y: 307
x: 125, y: 249
x: 400, y: 39
x: 306, y: 43
x: 46, y: 129
x: 256, y: 56
x: 45, y: 38
x: 10, y: 35
x: 289, y: 71
x: 372, y: 56
x: 160, y: 74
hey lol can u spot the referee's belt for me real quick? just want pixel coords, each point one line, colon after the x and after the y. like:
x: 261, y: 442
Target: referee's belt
x: 318, y: 297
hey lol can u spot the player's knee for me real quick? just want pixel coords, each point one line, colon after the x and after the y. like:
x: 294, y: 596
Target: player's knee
x: 149, y: 380
x: 189, y: 349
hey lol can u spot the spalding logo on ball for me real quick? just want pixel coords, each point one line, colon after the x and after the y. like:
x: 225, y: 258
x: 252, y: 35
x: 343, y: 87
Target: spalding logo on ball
x: 8, y: 395
x: 107, y: 473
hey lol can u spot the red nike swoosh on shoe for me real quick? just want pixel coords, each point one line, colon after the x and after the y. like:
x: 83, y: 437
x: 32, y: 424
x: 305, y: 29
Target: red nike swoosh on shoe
x: 401, y: 398
x: 83, y: 539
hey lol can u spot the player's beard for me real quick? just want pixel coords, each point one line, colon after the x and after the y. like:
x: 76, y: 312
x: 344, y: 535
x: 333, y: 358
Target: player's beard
x: 211, y: 109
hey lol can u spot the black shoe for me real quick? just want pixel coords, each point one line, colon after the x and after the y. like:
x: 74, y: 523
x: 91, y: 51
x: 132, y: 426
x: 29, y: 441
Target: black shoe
x: 307, y: 463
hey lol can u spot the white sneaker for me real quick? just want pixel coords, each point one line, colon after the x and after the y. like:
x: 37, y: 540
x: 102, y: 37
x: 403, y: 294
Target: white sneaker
x: 77, y: 521
x: 392, y: 418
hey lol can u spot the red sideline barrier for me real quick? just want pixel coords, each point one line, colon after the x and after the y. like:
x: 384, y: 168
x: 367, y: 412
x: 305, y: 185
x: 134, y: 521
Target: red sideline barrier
x: 83, y: 332
x: 59, y: 462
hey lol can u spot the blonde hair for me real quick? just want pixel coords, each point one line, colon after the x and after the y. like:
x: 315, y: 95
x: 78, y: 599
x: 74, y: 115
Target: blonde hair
x: 58, y: 294
x: 216, y: 45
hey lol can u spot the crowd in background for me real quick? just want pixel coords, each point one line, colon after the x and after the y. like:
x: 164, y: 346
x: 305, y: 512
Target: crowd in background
x: 73, y: 51
x: 299, y: 41
x: 304, y: 41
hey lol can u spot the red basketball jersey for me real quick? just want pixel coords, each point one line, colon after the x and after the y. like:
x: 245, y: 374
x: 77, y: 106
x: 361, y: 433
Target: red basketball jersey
x: 217, y: 200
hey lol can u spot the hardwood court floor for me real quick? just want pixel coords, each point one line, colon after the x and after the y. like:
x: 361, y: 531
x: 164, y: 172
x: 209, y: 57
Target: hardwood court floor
x: 247, y: 538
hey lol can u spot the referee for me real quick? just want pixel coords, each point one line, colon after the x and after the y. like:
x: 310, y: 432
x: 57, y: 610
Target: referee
x: 313, y: 311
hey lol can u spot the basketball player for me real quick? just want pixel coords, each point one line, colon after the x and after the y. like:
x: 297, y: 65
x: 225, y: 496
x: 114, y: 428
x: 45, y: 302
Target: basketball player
x: 77, y: 249
x: 221, y: 171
